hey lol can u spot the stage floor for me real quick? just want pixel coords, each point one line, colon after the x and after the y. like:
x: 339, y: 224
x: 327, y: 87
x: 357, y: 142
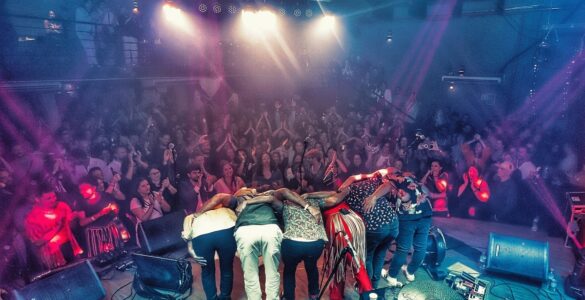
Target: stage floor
x: 466, y: 240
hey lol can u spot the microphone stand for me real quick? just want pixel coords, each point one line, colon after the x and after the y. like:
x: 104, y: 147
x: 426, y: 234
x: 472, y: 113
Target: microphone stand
x: 305, y: 145
x: 341, y: 256
x: 348, y: 249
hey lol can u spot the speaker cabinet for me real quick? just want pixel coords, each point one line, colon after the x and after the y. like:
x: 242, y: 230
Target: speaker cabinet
x: 162, y: 234
x: 78, y: 281
x: 516, y: 256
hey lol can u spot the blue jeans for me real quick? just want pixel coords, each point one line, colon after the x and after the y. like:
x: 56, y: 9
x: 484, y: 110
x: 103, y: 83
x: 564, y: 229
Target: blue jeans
x: 205, y: 246
x: 377, y: 244
x: 293, y: 252
x: 413, y: 233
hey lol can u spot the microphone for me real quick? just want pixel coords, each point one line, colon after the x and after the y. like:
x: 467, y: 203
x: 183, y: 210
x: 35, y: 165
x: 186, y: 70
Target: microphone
x: 306, y: 141
x: 171, y: 147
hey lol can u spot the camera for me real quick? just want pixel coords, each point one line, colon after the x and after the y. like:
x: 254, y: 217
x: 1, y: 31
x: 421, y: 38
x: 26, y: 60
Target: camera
x: 426, y: 146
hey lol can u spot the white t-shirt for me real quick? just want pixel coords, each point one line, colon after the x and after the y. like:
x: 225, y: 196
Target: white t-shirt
x: 210, y: 221
x: 156, y: 213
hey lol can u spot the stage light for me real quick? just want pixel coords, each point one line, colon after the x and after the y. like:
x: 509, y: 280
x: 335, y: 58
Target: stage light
x: 202, y: 7
x: 297, y: 12
x: 175, y: 17
x: 327, y: 24
x: 259, y: 22
x: 217, y: 8
x: 232, y: 9
x: 389, y: 37
x: 135, y: 9
x: 309, y: 13
x: 452, y: 86
x: 171, y: 12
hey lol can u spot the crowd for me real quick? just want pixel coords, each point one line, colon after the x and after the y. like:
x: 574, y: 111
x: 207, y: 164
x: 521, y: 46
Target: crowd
x: 121, y: 157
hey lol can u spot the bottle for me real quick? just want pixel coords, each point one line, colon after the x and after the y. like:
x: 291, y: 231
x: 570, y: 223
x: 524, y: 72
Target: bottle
x: 534, y: 227
x: 373, y: 296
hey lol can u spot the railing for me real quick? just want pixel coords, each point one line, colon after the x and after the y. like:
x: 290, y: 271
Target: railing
x: 43, y: 48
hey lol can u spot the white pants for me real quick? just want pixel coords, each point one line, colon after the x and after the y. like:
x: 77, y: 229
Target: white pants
x: 254, y: 241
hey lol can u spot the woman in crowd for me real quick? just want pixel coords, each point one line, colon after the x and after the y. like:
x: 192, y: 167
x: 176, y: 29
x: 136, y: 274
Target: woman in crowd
x: 472, y: 196
x: 146, y: 204
x: 162, y: 186
x: 229, y: 182
x: 437, y: 181
x: 245, y: 165
x: 357, y: 165
x: 267, y: 176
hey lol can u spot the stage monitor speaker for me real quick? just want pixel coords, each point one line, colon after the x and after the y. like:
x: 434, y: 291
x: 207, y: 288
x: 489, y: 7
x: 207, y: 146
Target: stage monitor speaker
x: 162, y: 234
x: 153, y: 273
x: 516, y: 256
x: 74, y: 282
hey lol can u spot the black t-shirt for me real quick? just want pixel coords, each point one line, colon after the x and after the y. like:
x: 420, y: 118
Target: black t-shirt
x: 92, y: 209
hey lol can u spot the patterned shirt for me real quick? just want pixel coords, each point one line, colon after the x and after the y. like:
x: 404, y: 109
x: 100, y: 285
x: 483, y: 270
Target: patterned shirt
x: 381, y: 214
x: 299, y: 224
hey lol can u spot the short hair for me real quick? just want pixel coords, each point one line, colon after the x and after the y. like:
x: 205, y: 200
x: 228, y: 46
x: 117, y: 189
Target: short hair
x: 94, y: 169
x: 43, y: 188
x: 193, y: 167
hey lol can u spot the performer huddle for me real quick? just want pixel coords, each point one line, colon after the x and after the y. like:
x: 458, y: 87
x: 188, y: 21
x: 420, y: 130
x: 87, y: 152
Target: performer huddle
x: 352, y: 228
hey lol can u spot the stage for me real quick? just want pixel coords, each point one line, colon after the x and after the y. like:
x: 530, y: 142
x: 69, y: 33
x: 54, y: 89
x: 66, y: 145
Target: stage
x: 466, y: 240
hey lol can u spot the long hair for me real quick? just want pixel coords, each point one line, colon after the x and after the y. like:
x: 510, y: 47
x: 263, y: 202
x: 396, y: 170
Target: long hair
x: 260, y: 167
x: 233, y: 184
x: 134, y: 191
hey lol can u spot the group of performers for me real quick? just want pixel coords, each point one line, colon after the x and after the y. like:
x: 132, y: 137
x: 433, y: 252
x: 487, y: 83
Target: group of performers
x: 354, y: 225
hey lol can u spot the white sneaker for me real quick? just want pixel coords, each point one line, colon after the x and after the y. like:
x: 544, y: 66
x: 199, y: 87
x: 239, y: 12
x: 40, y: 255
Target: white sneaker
x: 409, y: 277
x: 392, y: 282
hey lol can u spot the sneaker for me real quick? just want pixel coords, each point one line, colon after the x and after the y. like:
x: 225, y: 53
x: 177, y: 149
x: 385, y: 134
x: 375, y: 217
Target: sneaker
x: 409, y: 277
x: 392, y: 282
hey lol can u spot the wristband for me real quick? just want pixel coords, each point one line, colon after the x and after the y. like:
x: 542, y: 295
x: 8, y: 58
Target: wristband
x: 306, y: 206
